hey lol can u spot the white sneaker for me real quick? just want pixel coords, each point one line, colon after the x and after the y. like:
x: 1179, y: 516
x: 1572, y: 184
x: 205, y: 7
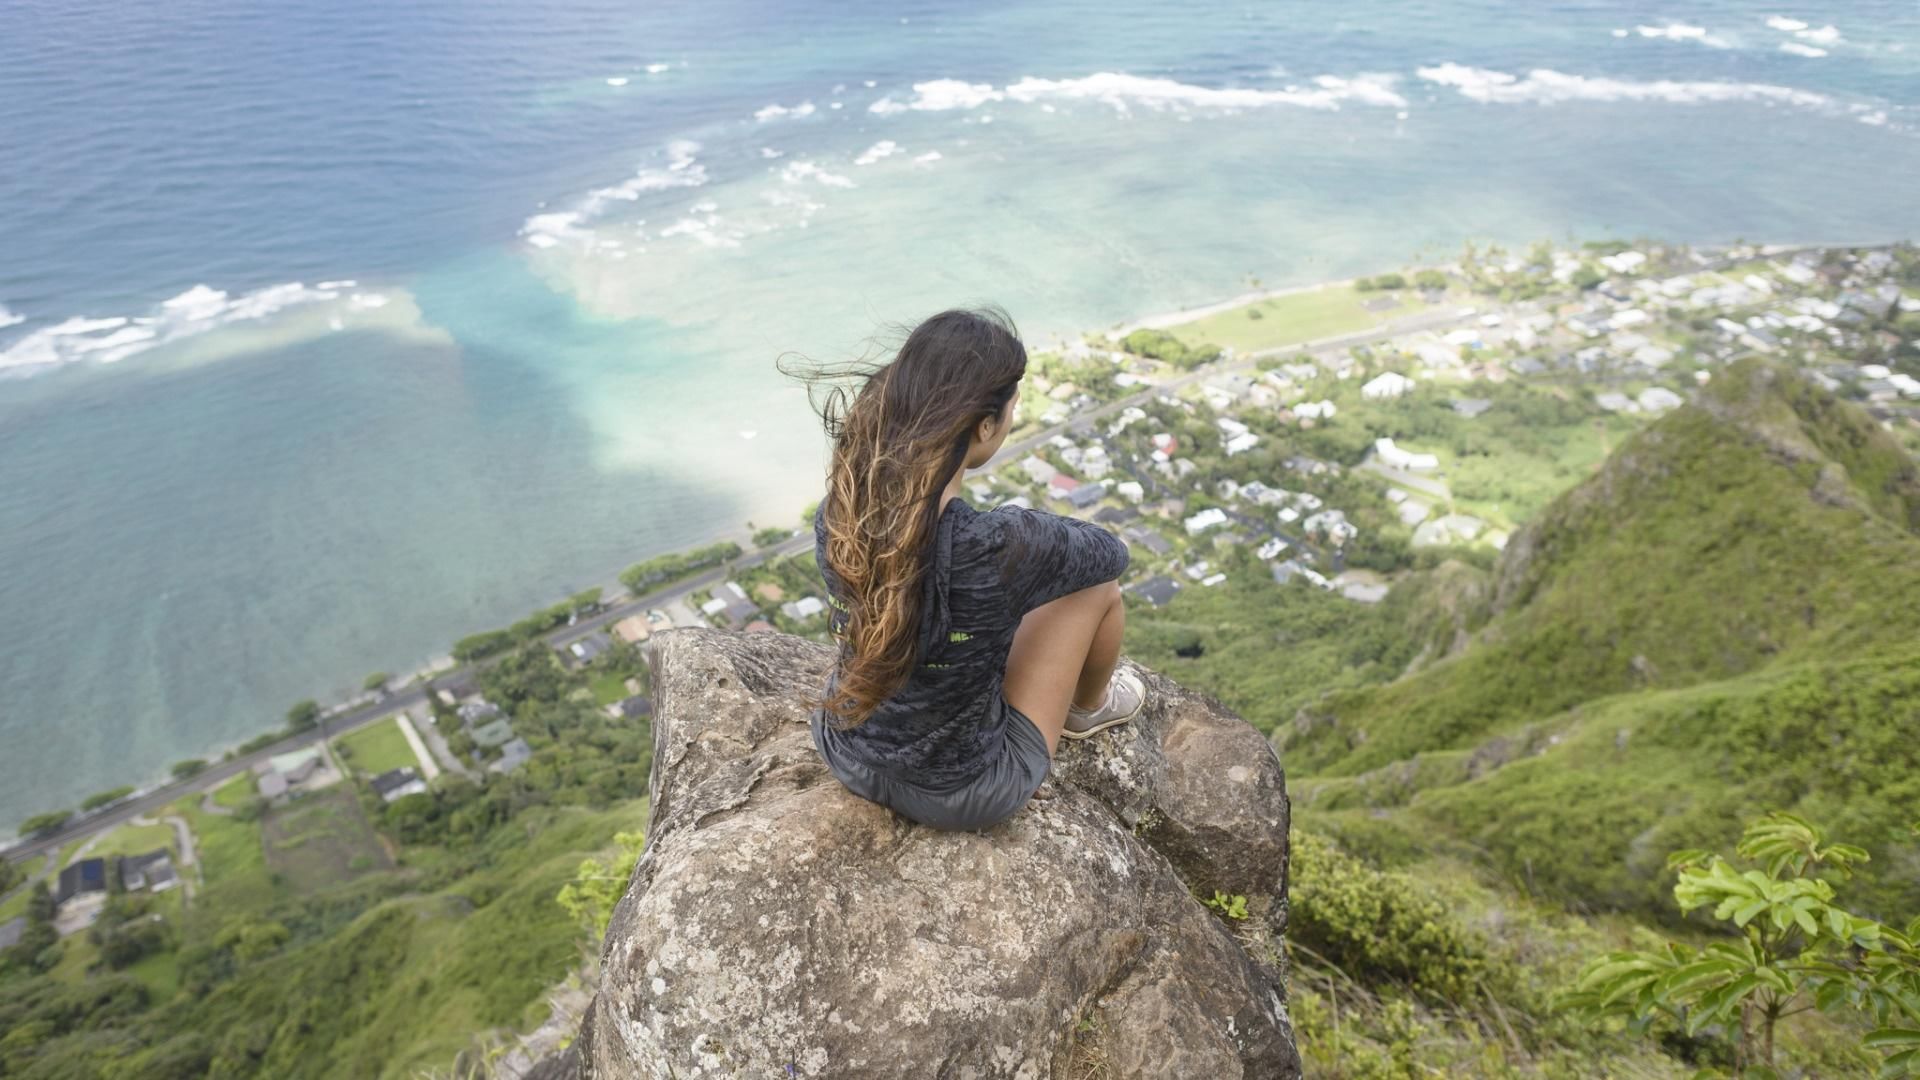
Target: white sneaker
x: 1125, y: 696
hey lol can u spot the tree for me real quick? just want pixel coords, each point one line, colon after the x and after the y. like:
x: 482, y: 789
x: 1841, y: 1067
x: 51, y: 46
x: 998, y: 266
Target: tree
x: 376, y: 681
x: 303, y: 715
x: 1792, y: 949
x: 1430, y: 279
x: 586, y: 599
x: 769, y: 536
x: 597, y: 886
x: 1586, y: 278
x: 189, y: 767
x: 105, y: 798
x: 46, y: 824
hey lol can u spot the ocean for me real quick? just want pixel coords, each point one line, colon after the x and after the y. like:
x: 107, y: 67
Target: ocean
x: 331, y: 333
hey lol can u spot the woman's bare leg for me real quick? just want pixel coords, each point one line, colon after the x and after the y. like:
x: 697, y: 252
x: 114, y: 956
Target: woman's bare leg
x: 1064, y: 654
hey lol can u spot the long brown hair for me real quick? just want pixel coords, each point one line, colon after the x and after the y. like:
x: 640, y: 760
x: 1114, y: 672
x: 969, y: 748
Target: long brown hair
x: 896, y: 443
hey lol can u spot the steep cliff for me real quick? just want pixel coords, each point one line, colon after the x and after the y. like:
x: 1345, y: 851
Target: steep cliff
x: 779, y: 926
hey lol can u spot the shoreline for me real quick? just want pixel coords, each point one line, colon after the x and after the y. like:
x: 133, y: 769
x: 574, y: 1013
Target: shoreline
x: 424, y: 670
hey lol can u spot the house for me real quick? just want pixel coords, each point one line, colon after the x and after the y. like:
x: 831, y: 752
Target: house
x: 1471, y: 407
x: 80, y: 879
x: 1334, y: 524
x: 634, y: 707
x: 1385, y: 385
x: 1130, y: 490
x: 1038, y: 469
x: 1614, y: 401
x: 1314, y: 410
x: 1393, y: 457
x: 1157, y: 590
x: 1115, y: 515
x: 1241, y: 443
x: 513, y: 755
x: 733, y: 604
x: 761, y: 626
x: 1213, y: 579
x: 493, y: 734
x: 658, y: 620
x: 802, y: 609
x: 1658, y: 399
x: 1086, y: 495
x: 1197, y: 570
x: 633, y: 629
x: 1204, y: 520
x: 1760, y: 339
x: 478, y: 711
x: 271, y: 785
x: 152, y: 872
x: 588, y: 648
x: 1060, y: 485
x: 1149, y: 539
x: 297, y: 765
x: 1283, y: 572
x: 1272, y: 548
x: 398, y: 784
x: 1095, y: 462
x: 12, y: 930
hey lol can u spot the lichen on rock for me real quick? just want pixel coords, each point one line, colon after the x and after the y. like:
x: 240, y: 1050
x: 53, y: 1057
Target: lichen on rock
x: 778, y: 925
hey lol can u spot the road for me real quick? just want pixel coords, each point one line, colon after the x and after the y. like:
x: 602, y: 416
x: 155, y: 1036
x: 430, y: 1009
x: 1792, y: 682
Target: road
x: 157, y: 799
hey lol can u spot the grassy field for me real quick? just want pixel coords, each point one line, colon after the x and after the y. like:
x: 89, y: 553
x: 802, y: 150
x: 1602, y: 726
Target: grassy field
x: 320, y: 840
x: 376, y: 748
x: 134, y: 840
x: 235, y: 793
x: 608, y: 687
x: 16, y: 904
x: 233, y: 864
x: 1293, y: 319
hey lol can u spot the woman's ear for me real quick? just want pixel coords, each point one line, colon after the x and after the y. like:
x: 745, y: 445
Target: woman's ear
x: 983, y: 432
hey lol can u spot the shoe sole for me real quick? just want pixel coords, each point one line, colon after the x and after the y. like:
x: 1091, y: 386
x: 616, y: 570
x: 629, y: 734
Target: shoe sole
x: 1069, y: 733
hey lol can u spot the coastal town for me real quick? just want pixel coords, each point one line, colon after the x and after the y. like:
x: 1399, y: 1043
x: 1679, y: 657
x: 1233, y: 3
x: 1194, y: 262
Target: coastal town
x: 1324, y: 438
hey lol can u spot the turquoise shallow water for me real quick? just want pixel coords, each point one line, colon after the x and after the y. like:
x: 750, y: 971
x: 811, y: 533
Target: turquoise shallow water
x: 566, y: 295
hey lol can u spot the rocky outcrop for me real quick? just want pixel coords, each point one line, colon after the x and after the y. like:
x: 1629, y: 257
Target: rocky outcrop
x: 777, y: 925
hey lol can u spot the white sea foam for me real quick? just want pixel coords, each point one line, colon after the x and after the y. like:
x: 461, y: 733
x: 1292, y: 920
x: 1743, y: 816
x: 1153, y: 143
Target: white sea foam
x: 9, y: 317
x: 1683, y: 32
x: 683, y: 170
x: 657, y: 68
x: 1621, y: 33
x: 1799, y: 49
x: 868, y: 83
x: 885, y: 148
x: 1124, y: 92
x: 781, y: 112
x: 196, y: 311
x: 1876, y: 118
x: 1825, y: 35
x: 617, y: 80
x: 1546, y: 87
x: 799, y: 172
x: 1782, y: 23
x: 927, y: 158
x: 770, y: 153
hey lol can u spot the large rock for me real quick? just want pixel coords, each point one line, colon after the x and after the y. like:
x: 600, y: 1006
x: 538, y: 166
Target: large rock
x: 778, y: 925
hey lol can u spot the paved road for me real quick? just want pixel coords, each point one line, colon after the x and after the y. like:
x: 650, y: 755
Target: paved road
x: 355, y: 718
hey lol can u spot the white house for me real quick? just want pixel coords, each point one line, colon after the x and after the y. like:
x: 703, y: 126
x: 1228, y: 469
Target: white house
x: 1038, y: 469
x: 1395, y: 458
x: 1205, y: 519
x: 1314, y: 410
x: 1241, y: 443
x: 1130, y: 490
x: 1658, y: 399
x: 1272, y: 548
x: 1387, y: 384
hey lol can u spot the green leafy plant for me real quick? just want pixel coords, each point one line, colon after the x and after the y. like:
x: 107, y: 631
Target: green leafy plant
x: 1792, y: 949
x: 1233, y: 907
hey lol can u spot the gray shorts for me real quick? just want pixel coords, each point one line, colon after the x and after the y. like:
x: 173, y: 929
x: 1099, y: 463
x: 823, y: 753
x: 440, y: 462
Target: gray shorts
x: 1000, y: 790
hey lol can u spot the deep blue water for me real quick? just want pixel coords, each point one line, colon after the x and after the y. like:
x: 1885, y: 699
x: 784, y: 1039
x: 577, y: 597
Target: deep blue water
x: 265, y: 508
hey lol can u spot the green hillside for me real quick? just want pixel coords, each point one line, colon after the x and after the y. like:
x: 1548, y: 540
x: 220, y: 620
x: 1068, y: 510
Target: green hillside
x: 1769, y: 524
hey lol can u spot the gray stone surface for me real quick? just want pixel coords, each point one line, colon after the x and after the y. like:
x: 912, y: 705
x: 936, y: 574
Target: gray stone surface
x: 777, y: 925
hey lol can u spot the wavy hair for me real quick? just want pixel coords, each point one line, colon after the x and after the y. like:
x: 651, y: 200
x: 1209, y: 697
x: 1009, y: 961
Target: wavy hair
x: 896, y: 443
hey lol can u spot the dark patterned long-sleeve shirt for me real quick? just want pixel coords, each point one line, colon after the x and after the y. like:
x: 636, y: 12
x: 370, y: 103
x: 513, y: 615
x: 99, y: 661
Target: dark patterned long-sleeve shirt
x: 988, y: 570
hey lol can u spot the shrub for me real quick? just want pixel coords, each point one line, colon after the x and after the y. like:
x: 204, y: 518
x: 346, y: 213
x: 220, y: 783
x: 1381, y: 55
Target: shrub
x: 104, y: 798
x: 190, y: 767
x: 1380, y: 925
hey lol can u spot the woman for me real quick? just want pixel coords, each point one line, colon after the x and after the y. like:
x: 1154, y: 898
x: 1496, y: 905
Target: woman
x: 970, y: 642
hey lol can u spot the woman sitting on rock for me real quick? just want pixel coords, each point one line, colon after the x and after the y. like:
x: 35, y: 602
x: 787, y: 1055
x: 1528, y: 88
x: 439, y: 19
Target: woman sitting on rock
x: 970, y: 641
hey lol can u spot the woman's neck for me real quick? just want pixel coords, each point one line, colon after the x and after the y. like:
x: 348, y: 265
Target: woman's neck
x: 952, y: 490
